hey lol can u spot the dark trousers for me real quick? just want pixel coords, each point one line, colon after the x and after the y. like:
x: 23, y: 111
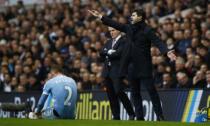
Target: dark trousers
x: 115, y: 93
x: 137, y: 99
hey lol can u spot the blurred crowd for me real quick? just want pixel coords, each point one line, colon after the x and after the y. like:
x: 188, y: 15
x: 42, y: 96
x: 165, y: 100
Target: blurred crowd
x: 33, y: 39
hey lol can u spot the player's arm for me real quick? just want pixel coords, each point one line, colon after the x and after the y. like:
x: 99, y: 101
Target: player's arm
x: 41, y: 102
x: 37, y: 112
x: 42, y: 99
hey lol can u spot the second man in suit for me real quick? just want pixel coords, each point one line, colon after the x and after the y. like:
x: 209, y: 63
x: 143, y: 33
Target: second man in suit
x: 111, y: 54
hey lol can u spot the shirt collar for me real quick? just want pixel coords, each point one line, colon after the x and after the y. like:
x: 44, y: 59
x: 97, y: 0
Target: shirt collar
x: 117, y: 38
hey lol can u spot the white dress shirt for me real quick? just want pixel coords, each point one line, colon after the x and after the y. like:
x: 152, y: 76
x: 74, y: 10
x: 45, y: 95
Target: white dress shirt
x: 115, y: 40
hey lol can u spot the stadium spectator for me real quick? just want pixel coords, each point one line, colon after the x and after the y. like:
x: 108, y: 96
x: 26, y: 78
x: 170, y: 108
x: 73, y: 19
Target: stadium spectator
x: 6, y: 83
x: 86, y: 84
x: 180, y: 64
x: 183, y: 81
x: 168, y: 81
x: 33, y: 83
x: 207, y: 80
x: 199, y: 80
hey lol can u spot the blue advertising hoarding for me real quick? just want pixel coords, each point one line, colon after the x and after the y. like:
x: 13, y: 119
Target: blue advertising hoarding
x: 178, y: 105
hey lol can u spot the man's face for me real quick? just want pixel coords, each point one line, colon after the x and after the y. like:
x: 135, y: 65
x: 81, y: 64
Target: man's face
x: 113, y: 32
x: 135, y: 18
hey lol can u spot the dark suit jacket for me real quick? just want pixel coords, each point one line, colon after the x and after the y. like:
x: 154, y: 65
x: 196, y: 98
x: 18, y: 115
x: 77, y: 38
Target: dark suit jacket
x: 112, y: 62
x: 140, y: 36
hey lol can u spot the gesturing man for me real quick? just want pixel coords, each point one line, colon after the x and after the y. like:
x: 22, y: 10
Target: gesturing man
x: 140, y: 36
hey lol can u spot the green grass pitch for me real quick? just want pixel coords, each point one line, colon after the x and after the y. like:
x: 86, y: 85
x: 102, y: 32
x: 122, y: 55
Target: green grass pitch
x: 41, y: 122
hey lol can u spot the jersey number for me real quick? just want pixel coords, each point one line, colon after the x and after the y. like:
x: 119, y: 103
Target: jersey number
x: 66, y: 102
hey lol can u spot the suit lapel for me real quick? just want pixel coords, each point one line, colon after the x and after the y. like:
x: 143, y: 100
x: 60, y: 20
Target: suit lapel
x: 117, y: 43
x: 109, y: 44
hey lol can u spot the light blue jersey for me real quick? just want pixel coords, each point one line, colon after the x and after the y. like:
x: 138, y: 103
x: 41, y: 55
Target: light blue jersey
x: 60, y: 94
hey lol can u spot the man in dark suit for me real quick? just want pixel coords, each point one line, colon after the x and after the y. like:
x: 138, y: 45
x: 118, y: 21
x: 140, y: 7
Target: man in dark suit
x: 140, y: 36
x: 111, y: 53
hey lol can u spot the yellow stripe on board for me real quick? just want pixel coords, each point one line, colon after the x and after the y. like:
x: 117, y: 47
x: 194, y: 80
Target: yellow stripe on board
x: 187, y: 106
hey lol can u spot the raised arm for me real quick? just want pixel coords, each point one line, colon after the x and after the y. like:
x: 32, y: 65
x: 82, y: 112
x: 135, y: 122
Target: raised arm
x: 119, y: 26
x: 107, y: 21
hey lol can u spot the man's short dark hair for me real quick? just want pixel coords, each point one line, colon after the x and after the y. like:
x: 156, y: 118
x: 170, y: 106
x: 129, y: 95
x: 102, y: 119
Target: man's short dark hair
x: 140, y: 12
x: 56, y: 68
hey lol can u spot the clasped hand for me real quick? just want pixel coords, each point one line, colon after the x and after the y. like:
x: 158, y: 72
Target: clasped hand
x: 111, y: 51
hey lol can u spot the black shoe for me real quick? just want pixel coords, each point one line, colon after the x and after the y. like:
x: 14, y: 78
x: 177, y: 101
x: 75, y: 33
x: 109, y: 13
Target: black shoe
x: 116, y: 118
x: 160, y: 118
x: 131, y: 117
x: 140, y: 118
